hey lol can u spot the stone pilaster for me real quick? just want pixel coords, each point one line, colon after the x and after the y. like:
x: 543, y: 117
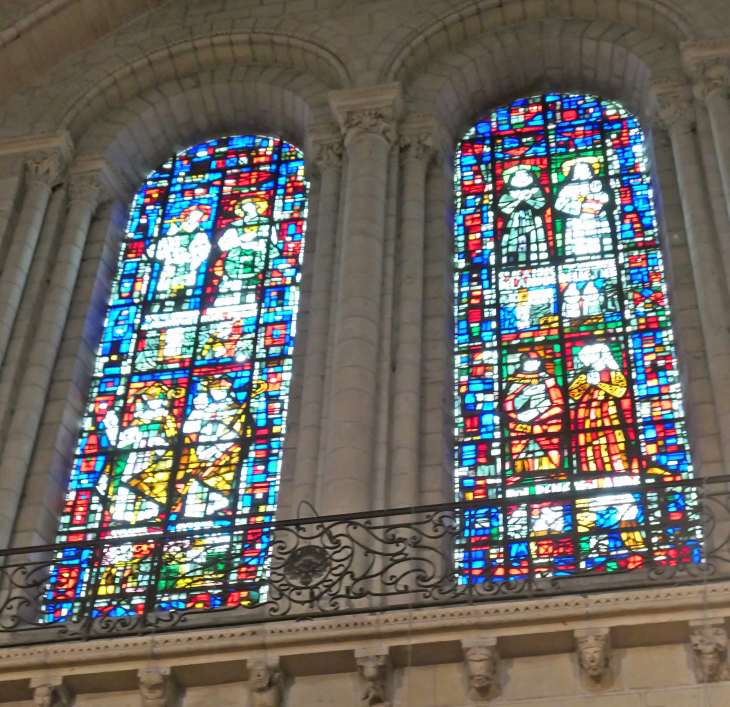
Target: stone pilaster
x: 367, y: 118
x: 43, y: 171
x: 84, y: 192
x: 419, y: 140
x: 325, y: 149
x: 675, y: 111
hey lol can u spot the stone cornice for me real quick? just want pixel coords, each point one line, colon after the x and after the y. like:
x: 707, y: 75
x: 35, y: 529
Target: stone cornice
x: 40, y: 143
x: 648, y: 607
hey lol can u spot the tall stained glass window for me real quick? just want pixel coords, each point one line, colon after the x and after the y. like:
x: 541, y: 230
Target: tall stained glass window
x: 184, y: 424
x: 566, y: 372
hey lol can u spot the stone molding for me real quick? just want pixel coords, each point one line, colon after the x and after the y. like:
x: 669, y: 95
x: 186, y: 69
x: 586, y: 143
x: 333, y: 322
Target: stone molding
x: 157, y: 687
x: 373, y: 110
x: 482, y: 663
x: 593, y: 648
x: 374, y: 668
x: 45, y: 166
x: 50, y: 692
x: 264, y: 679
x: 324, y: 146
x: 709, y: 645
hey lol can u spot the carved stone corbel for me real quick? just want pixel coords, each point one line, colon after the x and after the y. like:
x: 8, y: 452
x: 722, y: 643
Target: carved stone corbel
x: 481, y: 661
x: 264, y: 679
x: 157, y: 687
x: 593, y: 647
x: 50, y: 692
x: 374, y: 669
x: 709, y: 644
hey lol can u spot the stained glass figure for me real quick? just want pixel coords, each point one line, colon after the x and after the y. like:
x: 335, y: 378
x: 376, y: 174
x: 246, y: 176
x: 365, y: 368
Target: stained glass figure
x: 187, y: 411
x: 566, y: 374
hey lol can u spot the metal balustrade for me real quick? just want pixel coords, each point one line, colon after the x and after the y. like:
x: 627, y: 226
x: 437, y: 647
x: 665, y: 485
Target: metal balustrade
x: 510, y: 548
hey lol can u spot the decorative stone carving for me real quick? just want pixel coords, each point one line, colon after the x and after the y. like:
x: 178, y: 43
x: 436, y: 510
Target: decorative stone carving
x: 373, y: 110
x: 481, y: 660
x: 50, y: 692
x: 710, y: 76
x: 593, y: 647
x: 85, y: 186
x: 44, y: 166
x: 709, y: 650
x: 416, y: 146
x: 675, y: 110
x: 374, y: 670
x: 264, y: 679
x: 157, y: 687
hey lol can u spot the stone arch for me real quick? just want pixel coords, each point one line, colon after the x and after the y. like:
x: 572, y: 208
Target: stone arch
x: 460, y: 27
x: 616, y: 61
x: 142, y: 134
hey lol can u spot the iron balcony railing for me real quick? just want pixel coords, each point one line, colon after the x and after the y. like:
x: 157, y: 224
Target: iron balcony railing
x: 510, y: 548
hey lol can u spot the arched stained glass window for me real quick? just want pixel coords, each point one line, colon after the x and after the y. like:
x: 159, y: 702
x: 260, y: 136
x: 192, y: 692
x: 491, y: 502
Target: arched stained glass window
x: 185, y: 420
x: 566, y: 372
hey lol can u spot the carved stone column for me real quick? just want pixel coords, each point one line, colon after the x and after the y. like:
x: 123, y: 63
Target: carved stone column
x: 367, y: 117
x: 417, y: 143
x: 676, y: 114
x: 84, y: 192
x: 157, y: 687
x: 326, y: 151
x: 50, y: 692
x: 712, y: 87
x: 44, y: 169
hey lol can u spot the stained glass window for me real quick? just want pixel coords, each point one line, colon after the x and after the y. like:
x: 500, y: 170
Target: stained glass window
x: 184, y: 423
x: 566, y: 374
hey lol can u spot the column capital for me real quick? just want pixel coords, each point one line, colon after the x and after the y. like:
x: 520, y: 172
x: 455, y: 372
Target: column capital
x: 45, y: 166
x: 421, y: 137
x: 674, y: 107
x: 324, y: 145
x: 373, y: 110
x: 85, y: 186
x: 710, y: 76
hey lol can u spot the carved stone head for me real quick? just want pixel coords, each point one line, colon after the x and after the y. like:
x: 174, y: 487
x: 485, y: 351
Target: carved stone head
x: 261, y: 675
x: 481, y: 661
x: 155, y: 687
x: 594, y: 654
x: 373, y: 671
x: 263, y: 679
x: 43, y: 696
x: 709, y: 650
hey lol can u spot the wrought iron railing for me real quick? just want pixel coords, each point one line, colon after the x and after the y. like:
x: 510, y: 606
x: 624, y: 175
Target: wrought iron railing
x: 674, y: 532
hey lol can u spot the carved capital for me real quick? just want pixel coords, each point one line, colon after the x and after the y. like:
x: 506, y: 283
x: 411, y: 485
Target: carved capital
x: 157, y: 687
x: 85, y: 186
x: 45, y: 166
x: 593, y: 647
x: 325, y: 146
x: 711, y: 75
x: 374, y: 670
x: 481, y: 662
x: 416, y: 146
x: 675, y: 110
x: 709, y: 645
x: 264, y: 679
x: 368, y: 111
x: 50, y: 692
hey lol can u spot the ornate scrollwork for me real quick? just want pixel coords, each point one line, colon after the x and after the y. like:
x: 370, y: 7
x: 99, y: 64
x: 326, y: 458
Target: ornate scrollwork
x: 306, y: 564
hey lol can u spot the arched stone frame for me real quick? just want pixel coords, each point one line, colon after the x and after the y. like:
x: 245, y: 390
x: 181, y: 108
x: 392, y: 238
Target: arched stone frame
x: 283, y: 70
x: 497, y: 67
x: 128, y: 142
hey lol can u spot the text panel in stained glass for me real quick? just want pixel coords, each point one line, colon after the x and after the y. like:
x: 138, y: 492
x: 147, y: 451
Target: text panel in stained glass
x: 566, y: 374
x: 185, y: 420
